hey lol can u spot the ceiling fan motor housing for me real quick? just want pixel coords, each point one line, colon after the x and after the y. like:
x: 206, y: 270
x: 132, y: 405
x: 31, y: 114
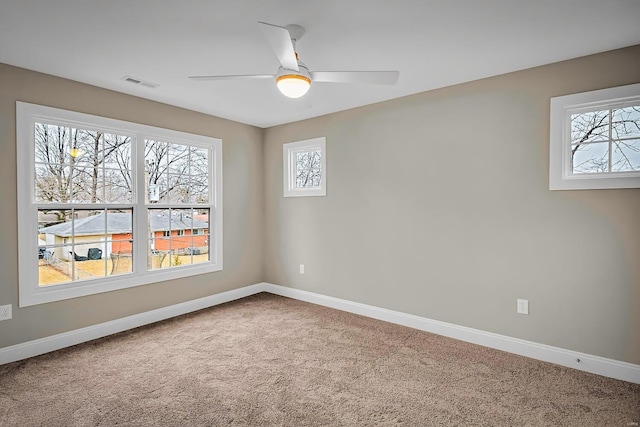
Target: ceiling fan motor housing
x: 302, y: 73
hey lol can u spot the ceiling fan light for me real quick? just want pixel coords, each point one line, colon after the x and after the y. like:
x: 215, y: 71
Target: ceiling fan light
x: 293, y: 85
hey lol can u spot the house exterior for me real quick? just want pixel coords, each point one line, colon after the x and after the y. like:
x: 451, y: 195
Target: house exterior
x: 111, y: 233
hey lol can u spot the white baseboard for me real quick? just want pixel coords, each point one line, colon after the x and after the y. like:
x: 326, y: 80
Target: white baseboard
x: 559, y: 356
x: 589, y: 363
x: 67, y: 339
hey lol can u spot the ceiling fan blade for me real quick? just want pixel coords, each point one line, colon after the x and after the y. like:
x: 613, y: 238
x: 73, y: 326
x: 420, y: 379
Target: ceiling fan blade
x: 235, y: 77
x: 370, y: 77
x: 280, y: 41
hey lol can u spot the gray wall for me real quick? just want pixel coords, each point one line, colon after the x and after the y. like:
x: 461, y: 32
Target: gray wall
x: 438, y: 205
x: 243, y: 206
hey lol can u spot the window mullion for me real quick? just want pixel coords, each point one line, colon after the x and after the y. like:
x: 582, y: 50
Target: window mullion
x: 610, y: 138
x: 140, y: 235
x: 69, y: 131
x: 101, y: 176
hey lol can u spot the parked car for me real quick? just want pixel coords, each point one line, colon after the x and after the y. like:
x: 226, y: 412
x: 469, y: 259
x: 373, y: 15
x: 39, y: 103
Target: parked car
x: 44, y: 253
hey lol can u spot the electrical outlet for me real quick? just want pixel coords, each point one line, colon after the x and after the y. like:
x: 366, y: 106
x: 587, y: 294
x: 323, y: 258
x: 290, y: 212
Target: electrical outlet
x: 5, y: 312
x: 523, y: 306
x: 301, y: 268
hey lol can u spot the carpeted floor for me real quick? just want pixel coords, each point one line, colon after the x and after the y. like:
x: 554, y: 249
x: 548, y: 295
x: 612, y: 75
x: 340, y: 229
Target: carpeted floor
x: 268, y: 360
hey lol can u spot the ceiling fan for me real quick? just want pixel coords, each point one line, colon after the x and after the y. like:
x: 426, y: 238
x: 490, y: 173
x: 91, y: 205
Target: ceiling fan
x: 294, y: 78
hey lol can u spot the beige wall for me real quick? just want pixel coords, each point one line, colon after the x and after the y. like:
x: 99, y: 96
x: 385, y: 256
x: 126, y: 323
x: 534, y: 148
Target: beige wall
x: 438, y: 205
x: 243, y: 206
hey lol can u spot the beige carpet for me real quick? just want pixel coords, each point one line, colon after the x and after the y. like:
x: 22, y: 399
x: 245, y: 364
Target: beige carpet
x: 267, y: 360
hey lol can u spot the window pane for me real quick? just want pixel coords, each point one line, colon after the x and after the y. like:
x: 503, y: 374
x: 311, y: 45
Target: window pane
x: 118, y: 246
x: 159, y: 244
x: 53, y: 267
x: 178, y: 189
x: 591, y: 158
x: 199, y: 175
x: 79, y: 244
x: 117, y: 181
x: 52, y: 183
x: 72, y: 166
x: 86, y: 145
x: 176, y: 173
x: 308, y: 178
x: 201, y: 238
x: 591, y: 126
x: 51, y: 143
x: 178, y: 237
x: 178, y: 159
x: 116, y: 184
x: 199, y: 185
x: 84, y: 152
x: 117, y: 151
x: 156, y: 255
x: 626, y: 156
x: 308, y: 172
x: 87, y: 249
x: 84, y: 187
x: 155, y: 154
x: 626, y: 122
x: 307, y: 160
x: 51, y: 270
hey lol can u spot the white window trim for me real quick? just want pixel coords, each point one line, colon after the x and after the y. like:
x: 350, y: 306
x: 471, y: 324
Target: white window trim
x: 29, y: 291
x: 289, y: 152
x: 560, y: 176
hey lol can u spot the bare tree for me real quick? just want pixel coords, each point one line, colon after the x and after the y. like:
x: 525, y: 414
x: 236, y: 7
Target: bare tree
x: 80, y: 165
x: 178, y: 172
x: 308, y: 169
x: 606, y: 140
x: 70, y: 165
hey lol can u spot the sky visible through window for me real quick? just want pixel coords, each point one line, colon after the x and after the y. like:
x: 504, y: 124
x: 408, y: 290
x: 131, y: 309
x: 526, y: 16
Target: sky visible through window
x: 606, y: 141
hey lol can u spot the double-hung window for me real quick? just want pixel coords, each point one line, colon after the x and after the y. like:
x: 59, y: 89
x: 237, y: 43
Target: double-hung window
x: 105, y: 204
x: 595, y: 139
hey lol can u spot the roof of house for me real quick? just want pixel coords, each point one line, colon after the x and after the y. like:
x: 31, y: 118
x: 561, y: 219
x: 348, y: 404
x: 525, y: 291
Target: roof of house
x: 120, y: 223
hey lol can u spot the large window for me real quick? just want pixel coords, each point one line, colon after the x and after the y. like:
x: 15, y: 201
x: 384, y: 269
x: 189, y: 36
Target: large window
x: 105, y: 204
x: 595, y: 139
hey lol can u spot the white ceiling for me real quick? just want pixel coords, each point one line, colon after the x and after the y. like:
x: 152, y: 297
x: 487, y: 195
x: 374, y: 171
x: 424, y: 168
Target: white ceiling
x: 432, y: 43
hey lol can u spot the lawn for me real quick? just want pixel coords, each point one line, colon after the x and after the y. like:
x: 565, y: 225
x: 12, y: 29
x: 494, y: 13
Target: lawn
x: 49, y: 275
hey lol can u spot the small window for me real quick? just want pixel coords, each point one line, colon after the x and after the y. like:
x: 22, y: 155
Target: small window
x: 304, y: 168
x: 595, y: 140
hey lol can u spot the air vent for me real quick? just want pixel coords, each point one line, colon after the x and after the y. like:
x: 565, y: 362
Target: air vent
x: 139, y: 82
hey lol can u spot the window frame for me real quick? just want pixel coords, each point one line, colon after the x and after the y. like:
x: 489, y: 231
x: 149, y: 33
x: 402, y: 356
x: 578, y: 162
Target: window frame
x: 30, y: 293
x: 561, y: 176
x: 289, y: 152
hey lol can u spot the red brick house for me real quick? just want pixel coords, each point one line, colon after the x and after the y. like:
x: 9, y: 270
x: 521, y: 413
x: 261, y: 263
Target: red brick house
x: 112, y: 234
